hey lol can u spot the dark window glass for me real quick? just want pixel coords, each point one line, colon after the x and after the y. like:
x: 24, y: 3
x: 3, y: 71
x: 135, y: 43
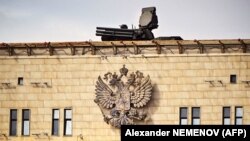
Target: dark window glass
x: 195, y: 115
x: 196, y: 112
x: 226, y: 116
x: 26, y: 114
x: 13, y: 122
x: 67, y: 122
x: 55, y: 122
x: 25, y: 122
x: 183, y: 116
x: 233, y: 78
x: 226, y: 111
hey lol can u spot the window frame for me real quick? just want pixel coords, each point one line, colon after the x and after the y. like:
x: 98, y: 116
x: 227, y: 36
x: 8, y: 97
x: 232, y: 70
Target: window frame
x: 226, y: 117
x: 180, y: 115
x: 53, y: 121
x: 233, y: 78
x: 65, y: 122
x: 193, y: 117
x: 238, y: 117
x: 13, y: 120
x: 20, y: 81
x: 24, y: 119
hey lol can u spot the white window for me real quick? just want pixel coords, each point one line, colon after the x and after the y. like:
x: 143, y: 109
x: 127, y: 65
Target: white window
x: 67, y: 122
x: 26, y: 122
x: 238, y: 115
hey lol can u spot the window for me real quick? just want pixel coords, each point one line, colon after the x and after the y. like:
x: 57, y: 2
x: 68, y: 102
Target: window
x: 55, y: 122
x: 183, y: 116
x: 226, y: 115
x: 13, y: 122
x: 25, y: 122
x: 67, y: 122
x: 238, y: 115
x: 195, y: 115
x: 233, y: 78
x: 20, y: 81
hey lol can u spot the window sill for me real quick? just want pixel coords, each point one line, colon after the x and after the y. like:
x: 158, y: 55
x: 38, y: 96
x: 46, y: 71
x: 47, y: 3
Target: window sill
x: 67, y: 135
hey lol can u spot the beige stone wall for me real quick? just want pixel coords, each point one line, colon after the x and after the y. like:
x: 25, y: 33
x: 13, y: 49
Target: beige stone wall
x: 178, y: 80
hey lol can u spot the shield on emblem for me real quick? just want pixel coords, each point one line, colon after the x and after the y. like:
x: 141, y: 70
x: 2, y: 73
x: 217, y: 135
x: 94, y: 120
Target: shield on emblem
x: 123, y: 103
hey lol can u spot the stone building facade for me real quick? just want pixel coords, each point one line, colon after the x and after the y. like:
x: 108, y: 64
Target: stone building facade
x: 39, y: 92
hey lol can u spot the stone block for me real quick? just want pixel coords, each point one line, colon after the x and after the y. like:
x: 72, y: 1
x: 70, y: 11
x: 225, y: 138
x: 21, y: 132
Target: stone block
x: 176, y: 73
x: 62, y: 75
x: 189, y: 73
x: 234, y: 58
x: 16, y: 68
x: 102, y: 125
x: 73, y: 96
x: 196, y: 65
x: 80, y: 125
x: 52, y: 61
x: 196, y: 95
x: 87, y: 118
x: 32, y: 97
x: 182, y: 66
x: 35, y: 104
x: 93, y: 60
x: 95, y: 110
x: 10, y: 104
x: 156, y: 117
x: 244, y: 58
x: 23, y: 61
x: 36, y: 75
x: 66, y: 60
x: 51, y: 90
x: 90, y: 96
x: 36, y: 61
x: 173, y: 102
x: 49, y: 75
x: 64, y: 89
x: 168, y: 66
x: 65, y: 82
x: 82, y: 110
x: 240, y: 65
x: 219, y: 59
x: 10, y: 62
x: 25, y: 75
x: 87, y: 81
x: 162, y: 88
x: 182, y: 88
x: 73, y: 67
x: 78, y: 61
x: 59, y: 96
x: 203, y: 102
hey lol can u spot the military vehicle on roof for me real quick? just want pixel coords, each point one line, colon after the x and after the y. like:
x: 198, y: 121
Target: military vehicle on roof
x: 147, y: 22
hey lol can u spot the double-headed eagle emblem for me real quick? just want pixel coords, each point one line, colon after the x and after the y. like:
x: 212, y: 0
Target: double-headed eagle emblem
x: 122, y: 98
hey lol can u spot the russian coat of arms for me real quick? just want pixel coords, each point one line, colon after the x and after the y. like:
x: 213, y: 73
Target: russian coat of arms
x: 122, y: 98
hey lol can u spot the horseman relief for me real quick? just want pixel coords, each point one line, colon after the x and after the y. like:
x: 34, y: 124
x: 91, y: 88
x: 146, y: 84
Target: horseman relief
x: 122, y: 98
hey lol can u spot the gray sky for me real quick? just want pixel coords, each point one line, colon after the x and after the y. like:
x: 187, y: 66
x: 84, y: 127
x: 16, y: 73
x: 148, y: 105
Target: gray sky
x: 76, y: 20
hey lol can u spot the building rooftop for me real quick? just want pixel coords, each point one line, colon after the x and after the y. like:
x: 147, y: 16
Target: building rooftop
x: 126, y: 47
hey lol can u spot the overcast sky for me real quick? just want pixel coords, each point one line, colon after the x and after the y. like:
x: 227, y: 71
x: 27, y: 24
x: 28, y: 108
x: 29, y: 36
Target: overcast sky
x: 76, y: 20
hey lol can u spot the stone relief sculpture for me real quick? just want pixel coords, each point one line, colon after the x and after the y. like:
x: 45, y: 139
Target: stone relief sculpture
x: 122, y: 98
